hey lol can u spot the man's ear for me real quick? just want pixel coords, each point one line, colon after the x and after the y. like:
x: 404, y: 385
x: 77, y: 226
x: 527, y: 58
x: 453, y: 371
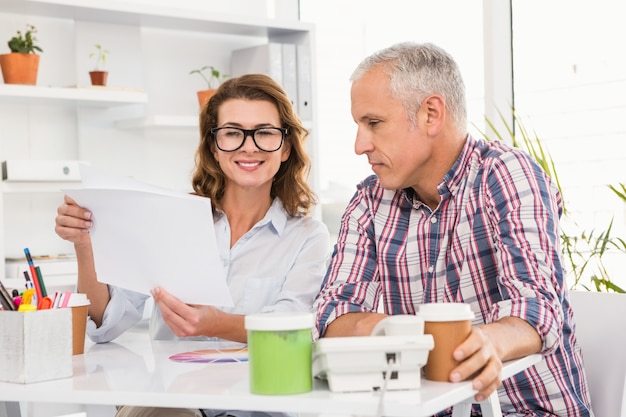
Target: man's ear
x: 433, y: 114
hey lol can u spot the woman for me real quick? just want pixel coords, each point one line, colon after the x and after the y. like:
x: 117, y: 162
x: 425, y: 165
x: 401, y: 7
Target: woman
x: 252, y: 164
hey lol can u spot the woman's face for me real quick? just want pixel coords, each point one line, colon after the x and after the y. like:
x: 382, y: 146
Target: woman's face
x: 248, y: 167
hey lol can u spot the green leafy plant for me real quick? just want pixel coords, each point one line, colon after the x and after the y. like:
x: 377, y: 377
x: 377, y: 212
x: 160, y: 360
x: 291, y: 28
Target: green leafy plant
x: 584, y: 250
x: 99, y: 55
x: 25, y: 43
x: 212, y: 76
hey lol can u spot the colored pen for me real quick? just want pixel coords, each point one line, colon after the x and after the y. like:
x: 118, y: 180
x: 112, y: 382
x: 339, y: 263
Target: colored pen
x: 58, y: 299
x: 45, y: 303
x: 26, y: 307
x: 28, y: 297
x: 17, y: 298
x: 29, y: 285
x: 66, y: 299
x: 5, y: 298
x: 33, y: 273
x: 44, y: 292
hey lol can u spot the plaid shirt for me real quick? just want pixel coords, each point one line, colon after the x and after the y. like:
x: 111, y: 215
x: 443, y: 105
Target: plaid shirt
x: 493, y: 242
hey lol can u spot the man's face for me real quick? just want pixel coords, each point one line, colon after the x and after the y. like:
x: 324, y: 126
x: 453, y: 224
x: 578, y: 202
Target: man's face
x: 396, y: 149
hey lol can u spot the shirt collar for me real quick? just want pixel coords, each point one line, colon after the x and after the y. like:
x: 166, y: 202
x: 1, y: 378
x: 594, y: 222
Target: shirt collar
x: 276, y: 217
x: 457, y: 174
x: 452, y: 180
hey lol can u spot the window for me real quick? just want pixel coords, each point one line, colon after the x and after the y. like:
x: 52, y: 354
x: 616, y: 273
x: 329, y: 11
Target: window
x: 348, y: 31
x: 570, y: 88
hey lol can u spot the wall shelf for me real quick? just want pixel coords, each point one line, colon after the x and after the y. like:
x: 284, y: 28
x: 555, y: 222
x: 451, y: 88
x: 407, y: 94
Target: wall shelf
x: 85, y: 96
x: 160, y: 122
x: 158, y: 16
x: 38, y: 186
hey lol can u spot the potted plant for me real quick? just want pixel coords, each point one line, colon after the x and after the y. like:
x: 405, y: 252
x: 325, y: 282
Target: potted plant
x: 213, y: 78
x: 20, y: 66
x: 98, y: 75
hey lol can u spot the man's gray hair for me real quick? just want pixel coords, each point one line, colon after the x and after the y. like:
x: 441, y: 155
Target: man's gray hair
x: 417, y: 71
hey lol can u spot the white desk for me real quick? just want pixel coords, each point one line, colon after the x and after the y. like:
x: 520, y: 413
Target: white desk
x: 134, y: 371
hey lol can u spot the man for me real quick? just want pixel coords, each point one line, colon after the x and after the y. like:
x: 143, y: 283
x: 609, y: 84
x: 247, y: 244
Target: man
x: 448, y: 218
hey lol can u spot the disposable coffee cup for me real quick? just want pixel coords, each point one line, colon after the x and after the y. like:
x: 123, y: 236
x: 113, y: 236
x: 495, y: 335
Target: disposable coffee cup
x: 449, y: 324
x: 79, y: 303
x: 279, y: 352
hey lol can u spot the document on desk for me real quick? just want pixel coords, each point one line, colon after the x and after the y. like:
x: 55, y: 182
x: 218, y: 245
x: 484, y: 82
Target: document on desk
x: 145, y: 236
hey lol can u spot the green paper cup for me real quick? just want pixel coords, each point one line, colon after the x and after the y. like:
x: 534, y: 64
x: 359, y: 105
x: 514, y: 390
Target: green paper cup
x: 279, y: 353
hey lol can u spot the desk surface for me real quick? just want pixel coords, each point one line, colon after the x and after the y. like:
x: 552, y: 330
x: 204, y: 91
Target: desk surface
x: 135, y: 371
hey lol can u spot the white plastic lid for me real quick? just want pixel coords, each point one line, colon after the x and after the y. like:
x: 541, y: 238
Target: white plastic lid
x: 279, y: 321
x: 445, y: 312
x: 78, y: 299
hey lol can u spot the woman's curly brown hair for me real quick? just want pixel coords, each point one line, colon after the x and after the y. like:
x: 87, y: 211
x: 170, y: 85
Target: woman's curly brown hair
x: 290, y: 182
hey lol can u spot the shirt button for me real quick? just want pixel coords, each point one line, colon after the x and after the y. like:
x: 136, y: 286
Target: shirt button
x: 433, y: 219
x: 431, y: 269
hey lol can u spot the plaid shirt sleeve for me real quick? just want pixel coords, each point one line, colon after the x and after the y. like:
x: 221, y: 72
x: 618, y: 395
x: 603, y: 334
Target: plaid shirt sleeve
x: 524, y: 207
x: 352, y: 282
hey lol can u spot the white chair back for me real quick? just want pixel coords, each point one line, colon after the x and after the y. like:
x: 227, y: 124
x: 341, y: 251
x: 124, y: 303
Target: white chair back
x: 601, y: 330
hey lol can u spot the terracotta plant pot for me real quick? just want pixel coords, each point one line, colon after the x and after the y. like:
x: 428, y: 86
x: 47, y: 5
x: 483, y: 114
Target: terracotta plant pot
x: 18, y: 68
x: 98, y: 77
x: 204, y: 96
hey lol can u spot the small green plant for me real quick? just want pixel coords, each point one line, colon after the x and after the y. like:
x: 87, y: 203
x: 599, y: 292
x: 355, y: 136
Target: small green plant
x: 25, y: 43
x: 214, y: 77
x: 100, y: 57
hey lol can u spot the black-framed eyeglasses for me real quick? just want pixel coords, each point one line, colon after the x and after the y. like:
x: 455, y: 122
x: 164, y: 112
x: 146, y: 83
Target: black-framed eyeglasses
x: 267, y: 139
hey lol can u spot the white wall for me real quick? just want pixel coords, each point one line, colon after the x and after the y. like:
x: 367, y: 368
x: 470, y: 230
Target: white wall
x: 348, y: 31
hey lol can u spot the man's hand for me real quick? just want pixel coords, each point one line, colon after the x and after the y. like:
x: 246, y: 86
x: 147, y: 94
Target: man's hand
x: 478, y: 358
x: 353, y: 324
x: 483, y: 352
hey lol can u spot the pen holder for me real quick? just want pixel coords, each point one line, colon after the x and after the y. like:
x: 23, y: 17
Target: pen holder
x: 279, y: 353
x: 35, y: 346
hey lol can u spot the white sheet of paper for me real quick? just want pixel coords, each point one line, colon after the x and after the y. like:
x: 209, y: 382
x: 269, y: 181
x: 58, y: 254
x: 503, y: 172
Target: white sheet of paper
x: 144, y: 237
